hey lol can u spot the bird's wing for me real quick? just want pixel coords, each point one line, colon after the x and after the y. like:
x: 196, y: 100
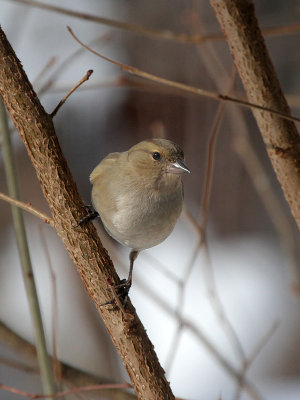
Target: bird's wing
x: 107, y: 163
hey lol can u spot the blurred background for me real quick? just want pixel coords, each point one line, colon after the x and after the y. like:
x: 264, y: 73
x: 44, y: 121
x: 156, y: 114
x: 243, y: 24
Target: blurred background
x: 235, y: 298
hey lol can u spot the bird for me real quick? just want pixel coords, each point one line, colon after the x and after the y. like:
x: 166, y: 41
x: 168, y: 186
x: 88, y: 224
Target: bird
x: 138, y: 195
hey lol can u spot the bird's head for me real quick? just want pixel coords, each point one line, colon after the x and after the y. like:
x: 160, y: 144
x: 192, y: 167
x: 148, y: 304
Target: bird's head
x: 156, y: 158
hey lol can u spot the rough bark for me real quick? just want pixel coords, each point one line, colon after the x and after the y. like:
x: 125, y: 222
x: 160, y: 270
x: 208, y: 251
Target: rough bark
x: 240, y: 26
x: 93, y: 264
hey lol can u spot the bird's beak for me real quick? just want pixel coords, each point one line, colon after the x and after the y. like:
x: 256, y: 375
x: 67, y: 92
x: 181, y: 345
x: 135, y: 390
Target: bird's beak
x: 178, y: 167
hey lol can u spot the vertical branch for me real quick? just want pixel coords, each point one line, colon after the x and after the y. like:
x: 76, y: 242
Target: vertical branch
x: 11, y: 177
x: 239, y: 24
x: 93, y: 264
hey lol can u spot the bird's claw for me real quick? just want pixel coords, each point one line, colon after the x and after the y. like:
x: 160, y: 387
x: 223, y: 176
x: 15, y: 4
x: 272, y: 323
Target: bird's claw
x: 91, y: 214
x: 124, y: 284
x: 121, y: 291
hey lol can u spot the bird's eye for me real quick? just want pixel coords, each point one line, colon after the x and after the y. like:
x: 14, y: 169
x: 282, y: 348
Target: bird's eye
x: 156, y: 156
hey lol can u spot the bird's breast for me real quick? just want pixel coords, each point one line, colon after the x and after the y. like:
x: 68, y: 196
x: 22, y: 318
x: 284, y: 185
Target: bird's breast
x: 144, y: 218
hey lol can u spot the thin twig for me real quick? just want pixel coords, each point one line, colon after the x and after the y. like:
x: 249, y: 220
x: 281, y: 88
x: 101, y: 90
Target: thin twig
x: 173, y: 349
x: 63, y: 100
x: 28, y: 276
x: 27, y: 351
x: 281, y: 30
x: 79, y: 396
x: 160, y: 267
x: 28, y: 207
x: 258, y: 348
x: 213, y: 296
x: 248, y: 387
x: 212, y: 291
x: 44, y: 70
x: 66, y: 62
x: 209, y: 169
x: 183, y: 86
x: 54, y: 307
x: 188, y: 216
x: 155, y: 33
x: 265, y: 339
x: 193, y: 328
x: 124, y: 81
x: 65, y: 392
x: 204, y: 212
x: 182, y: 284
x: 18, y: 365
x: 136, y: 83
x: 218, y: 306
x: 141, y: 30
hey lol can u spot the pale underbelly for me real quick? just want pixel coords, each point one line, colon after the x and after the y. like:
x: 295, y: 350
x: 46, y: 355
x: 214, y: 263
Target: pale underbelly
x: 142, y: 232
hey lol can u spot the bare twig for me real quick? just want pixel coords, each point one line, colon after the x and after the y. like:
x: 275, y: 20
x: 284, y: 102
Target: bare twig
x: 218, y: 306
x: 154, y: 33
x: 187, y: 88
x: 264, y: 340
x: 187, y: 215
x: 249, y: 387
x: 63, y: 100
x: 65, y: 392
x: 174, y: 347
x: 28, y: 276
x: 161, y: 268
x: 54, y: 307
x: 18, y: 365
x: 281, y: 30
x: 44, y: 70
x: 179, y: 308
x: 64, y: 65
x: 253, y: 356
x: 212, y: 291
x: 185, y: 323
x: 28, y: 207
x: 204, y: 213
x: 27, y: 351
x: 141, y: 30
x: 209, y: 170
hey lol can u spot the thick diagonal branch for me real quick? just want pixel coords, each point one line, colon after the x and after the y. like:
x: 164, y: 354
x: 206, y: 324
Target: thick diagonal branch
x: 36, y: 129
x: 239, y: 24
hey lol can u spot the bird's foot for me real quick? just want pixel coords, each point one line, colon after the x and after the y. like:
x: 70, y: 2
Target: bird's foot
x: 91, y: 214
x: 120, y: 292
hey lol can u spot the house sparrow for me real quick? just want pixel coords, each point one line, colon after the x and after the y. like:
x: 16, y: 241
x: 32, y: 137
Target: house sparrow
x: 138, y: 195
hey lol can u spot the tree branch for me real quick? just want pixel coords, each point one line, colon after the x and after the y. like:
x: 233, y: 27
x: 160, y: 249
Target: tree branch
x: 25, y: 259
x: 64, y: 99
x: 239, y: 24
x: 27, y: 207
x: 155, y: 33
x: 185, y: 87
x: 36, y: 129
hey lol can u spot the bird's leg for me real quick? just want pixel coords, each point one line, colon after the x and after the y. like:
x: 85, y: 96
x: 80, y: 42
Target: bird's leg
x: 122, y: 289
x: 125, y: 285
x: 91, y: 214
